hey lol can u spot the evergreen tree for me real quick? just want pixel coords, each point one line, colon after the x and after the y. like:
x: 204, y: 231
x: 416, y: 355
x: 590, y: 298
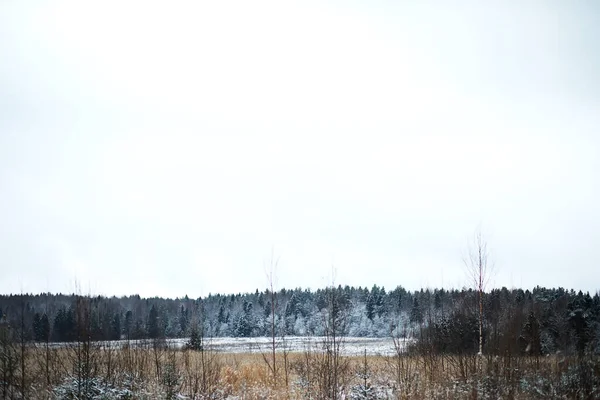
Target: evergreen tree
x: 183, y: 319
x: 37, y: 319
x: 291, y: 306
x: 222, y: 316
x: 370, y: 307
x: 532, y: 333
x: 380, y: 304
x: 41, y: 327
x: 64, y: 325
x: 245, y: 325
x: 196, y: 338
x: 416, y: 315
x: 45, y: 327
x: 128, y: 324
x: 116, y: 327
x: 267, y: 309
x: 154, y: 326
x: 138, y: 330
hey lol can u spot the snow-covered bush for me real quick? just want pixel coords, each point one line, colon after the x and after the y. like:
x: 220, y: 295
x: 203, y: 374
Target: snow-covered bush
x: 91, y: 389
x: 363, y: 392
x: 171, y: 381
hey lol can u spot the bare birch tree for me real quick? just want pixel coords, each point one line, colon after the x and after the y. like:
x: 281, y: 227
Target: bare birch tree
x: 271, y: 271
x: 479, y: 269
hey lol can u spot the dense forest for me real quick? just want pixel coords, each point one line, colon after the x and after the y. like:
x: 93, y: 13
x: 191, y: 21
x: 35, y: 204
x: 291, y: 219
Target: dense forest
x: 538, y: 321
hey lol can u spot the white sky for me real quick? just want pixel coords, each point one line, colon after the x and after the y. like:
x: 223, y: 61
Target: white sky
x: 168, y: 148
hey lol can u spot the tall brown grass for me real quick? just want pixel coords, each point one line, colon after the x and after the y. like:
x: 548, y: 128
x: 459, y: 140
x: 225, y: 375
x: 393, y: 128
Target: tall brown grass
x: 200, y: 375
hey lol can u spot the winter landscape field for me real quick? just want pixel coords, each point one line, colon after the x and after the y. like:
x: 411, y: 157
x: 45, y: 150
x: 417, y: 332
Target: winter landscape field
x: 533, y: 344
x: 300, y: 200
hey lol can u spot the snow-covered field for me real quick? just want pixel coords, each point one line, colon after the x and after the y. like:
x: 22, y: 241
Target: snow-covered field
x: 350, y: 345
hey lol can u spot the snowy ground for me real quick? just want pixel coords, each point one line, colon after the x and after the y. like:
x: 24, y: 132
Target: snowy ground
x: 351, y: 345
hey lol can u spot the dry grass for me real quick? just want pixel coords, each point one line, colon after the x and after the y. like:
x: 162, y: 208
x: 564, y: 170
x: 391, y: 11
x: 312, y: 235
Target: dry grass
x: 247, y: 376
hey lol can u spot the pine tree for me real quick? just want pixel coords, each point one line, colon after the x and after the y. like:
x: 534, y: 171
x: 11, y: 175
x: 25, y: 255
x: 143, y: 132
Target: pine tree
x: 196, y: 338
x: 45, y: 327
x: 128, y: 324
x: 41, y: 327
x: 370, y: 307
x: 416, y: 315
x: 153, y: 327
x: 116, y: 327
x: 64, y: 325
x: 37, y: 319
x: 183, y: 319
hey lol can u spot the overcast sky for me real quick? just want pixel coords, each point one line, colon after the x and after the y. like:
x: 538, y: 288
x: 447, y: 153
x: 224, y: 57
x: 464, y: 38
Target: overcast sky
x: 169, y: 148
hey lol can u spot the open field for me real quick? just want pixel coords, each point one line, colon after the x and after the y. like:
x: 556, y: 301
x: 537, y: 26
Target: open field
x: 352, y: 345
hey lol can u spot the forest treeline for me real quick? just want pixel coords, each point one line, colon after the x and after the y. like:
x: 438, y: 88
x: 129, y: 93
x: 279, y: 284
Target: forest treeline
x: 538, y: 321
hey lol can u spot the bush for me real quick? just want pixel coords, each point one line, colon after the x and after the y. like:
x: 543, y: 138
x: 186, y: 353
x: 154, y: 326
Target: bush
x: 95, y: 389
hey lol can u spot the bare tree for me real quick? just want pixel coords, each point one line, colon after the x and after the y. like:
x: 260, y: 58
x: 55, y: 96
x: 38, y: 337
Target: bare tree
x: 399, y: 363
x: 335, y: 320
x: 270, y: 272
x: 202, y: 363
x: 479, y: 270
x: 23, y: 347
x: 85, y: 351
x: 9, y: 359
x: 47, y: 360
x: 322, y: 369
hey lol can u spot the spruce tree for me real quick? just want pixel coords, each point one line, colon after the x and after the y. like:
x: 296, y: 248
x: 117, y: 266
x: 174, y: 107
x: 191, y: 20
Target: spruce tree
x: 153, y: 327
